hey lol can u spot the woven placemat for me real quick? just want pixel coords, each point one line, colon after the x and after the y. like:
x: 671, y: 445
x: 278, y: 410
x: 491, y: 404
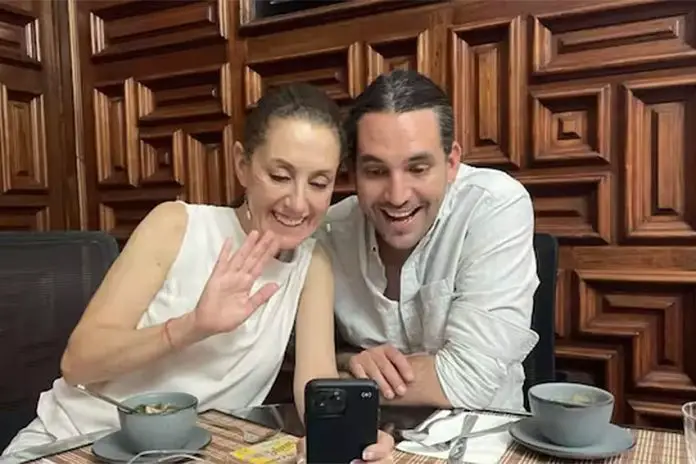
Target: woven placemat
x: 651, y: 447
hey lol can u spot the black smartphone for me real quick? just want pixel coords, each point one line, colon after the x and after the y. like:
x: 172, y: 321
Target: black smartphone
x: 341, y: 419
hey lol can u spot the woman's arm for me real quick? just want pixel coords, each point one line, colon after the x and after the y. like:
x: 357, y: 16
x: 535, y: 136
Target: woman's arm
x: 315, y: 355
x: 105, y: 342
x: 314, y: 327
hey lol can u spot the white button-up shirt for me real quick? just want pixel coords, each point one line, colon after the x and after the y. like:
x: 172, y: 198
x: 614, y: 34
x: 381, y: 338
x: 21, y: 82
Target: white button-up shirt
x: 466, y: 290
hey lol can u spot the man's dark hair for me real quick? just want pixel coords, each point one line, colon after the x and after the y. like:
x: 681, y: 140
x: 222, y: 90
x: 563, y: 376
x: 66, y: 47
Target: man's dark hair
x: 297, y: 100
x: 401, y: 91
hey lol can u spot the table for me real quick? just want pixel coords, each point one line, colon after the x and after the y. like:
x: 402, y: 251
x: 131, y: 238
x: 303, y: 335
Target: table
x: 651, y: 447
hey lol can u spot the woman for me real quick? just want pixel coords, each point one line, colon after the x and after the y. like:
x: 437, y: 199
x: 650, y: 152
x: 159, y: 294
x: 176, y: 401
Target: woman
x: 204, y: 298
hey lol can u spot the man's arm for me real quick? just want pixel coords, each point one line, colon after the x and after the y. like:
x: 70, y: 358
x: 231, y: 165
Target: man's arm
x: 425, y: 388
x: 488, y: 328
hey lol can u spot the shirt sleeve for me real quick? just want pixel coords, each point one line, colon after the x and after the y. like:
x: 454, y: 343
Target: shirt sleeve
x: 488, y: 327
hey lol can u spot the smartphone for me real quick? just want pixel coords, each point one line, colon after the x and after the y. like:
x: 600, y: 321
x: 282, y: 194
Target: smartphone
x: 341, y: 419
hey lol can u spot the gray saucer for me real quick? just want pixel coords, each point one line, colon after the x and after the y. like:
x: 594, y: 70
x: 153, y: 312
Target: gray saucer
x: 616, y: 441
x: 110, y: 448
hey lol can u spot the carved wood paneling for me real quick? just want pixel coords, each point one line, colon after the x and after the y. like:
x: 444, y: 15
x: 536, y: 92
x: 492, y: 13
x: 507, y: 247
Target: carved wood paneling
x: 576, y: 208
x: 31, y: 154
x: 660, y: 149
x: 613, y: 36
x: 159, y: 121
x: 335, y: 71
x: 488, y: 77
x: 572, y: 125
x: 589, y: 103
x: 125, y: 29
x: 398, y: 52
x: 597, y: 128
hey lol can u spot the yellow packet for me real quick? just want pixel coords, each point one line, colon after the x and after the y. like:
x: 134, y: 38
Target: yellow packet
x: 278, y: 450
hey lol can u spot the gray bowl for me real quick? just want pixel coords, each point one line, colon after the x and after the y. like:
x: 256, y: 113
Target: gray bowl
x: 571, y: 414
x: 162, y: 431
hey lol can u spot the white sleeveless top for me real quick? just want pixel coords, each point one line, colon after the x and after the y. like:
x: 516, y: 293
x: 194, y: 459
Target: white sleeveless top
x: 231, y: 370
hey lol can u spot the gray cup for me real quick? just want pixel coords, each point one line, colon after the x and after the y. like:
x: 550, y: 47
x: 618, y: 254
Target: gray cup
x: 571, y: 414
x: 165, y: 431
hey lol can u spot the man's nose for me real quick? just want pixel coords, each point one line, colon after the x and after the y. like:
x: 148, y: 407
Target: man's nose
x: 397, y: 191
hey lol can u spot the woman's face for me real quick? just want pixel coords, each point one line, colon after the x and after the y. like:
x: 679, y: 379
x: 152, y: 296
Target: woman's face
x: 289, y: 179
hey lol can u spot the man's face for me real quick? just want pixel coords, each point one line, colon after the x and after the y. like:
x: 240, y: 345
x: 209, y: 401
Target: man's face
x: 402, y: 173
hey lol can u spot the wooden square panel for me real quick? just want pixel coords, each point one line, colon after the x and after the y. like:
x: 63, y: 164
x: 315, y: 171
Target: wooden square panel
x: 397, y: 53
x: 27, y: 218
x: 167, y: 131
x: 488, y: 92
x: 117, y: 147
x: 337, y: 72
x: 622, y: 36
x: 575, y: 208
x: 657, y: 414
x: 191, y: 95
x: 19, y: 31
x: 125, y: 29
x: 196, y: 164
x: 572, y: 125
x: 660, y: 160
x: 652, y: 314
x: 23, y: 157
x: 210, y: 167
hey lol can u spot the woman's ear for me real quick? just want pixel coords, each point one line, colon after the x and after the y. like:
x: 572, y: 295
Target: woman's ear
x: 241, y: 164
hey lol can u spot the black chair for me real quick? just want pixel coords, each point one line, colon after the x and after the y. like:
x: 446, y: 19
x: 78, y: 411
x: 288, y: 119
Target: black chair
x: 539, y: 366
x: 46, y: 281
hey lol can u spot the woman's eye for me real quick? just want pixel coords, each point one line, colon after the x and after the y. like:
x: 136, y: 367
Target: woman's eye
x: 319, y: 185
x: 277, y: 178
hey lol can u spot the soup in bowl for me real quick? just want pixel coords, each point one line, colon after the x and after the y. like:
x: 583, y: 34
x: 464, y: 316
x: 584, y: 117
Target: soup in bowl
x: 162, y: 421
x: 571, y: 414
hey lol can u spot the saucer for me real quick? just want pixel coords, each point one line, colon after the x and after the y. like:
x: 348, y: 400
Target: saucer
x: 110, y: 448
x: 615, y: 441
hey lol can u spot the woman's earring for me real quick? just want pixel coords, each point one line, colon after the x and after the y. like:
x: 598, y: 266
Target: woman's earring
x: 248, y: 211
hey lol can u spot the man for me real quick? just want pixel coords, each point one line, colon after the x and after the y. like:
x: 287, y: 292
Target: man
x: 434, y: 262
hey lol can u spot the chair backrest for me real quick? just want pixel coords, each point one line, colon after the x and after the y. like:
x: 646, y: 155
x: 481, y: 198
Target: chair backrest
x: 540, y: 366
x: 46, y: 281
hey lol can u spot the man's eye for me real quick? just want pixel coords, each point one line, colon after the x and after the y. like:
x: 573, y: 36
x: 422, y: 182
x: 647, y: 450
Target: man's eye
x: 420, y: 168
x: 374, y: 171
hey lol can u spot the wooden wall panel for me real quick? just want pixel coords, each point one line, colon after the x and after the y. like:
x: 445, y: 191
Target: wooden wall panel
x: 160, y: 96
x: 31, y: 151
x: 589, y: 103
x: 591, y: 106
x: 488, y: 78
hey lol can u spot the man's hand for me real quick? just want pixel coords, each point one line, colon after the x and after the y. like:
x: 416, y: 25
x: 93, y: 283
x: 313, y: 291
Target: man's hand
x: 385, y: 365
x: 378, y: 453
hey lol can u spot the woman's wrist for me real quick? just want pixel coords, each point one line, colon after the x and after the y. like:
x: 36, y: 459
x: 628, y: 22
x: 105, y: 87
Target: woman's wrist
x: 181, y: 332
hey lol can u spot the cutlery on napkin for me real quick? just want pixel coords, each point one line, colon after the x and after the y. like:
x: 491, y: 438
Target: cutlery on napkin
x: 487, y: 449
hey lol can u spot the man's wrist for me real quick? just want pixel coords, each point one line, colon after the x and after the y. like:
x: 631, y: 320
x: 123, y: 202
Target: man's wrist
x: 343, y: 361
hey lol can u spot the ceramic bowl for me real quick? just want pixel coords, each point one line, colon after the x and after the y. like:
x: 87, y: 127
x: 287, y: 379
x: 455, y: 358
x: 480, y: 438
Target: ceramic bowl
x: 571, y: 414
x: 169, y: 430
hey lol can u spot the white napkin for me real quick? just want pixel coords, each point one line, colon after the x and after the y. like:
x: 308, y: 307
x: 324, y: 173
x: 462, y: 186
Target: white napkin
x: 487, y: 449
